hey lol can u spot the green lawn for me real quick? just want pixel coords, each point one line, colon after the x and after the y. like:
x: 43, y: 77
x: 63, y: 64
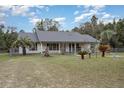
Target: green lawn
x: 61, y: 71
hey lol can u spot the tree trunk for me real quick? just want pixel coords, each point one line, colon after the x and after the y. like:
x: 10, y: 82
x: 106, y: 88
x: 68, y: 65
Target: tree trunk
x: 89, y: 55
x: 24, y: 51
x: 82, y: 56
x: 103, y: 53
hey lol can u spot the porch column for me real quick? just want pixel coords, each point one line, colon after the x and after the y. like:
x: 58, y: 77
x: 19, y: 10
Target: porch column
x: 75, y: 48
x: 41, y: 48
x: 59, y: 47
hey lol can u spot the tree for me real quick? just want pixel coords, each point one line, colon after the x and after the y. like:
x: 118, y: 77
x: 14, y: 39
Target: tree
x: 23, y: 42
x: 40, y: 25
x: 109, y: 26
x: 87, y: 28
x: 46, y: 53
x: 9, y: 37
x: 2, y: 43
x: 22, y: 31
x: 94, y: 20
x: 47, y: 25
x: 103, y: 49
x: 82, y: 53
x: 106, y: 36
x: 96, y: 29
x: 75, y: 29
x: 120, y: 32
x: 114, y: 41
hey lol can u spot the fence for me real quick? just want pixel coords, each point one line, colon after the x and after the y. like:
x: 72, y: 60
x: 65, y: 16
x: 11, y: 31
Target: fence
x: 117, y: 50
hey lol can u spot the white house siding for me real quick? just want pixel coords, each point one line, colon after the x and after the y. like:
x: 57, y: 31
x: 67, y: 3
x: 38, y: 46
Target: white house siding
x: 31, y: 51
x: 39, y: 48
x: 67, y: 47
x: 20, y: 50
x: 42, y: 46
x: 85, y: 46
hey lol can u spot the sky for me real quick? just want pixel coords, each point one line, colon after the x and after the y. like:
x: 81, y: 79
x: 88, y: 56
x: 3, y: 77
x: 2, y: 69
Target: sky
x: 69, y: 16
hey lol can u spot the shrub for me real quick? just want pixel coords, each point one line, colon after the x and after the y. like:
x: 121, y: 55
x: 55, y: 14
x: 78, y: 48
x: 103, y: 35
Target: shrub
x: 103, y: 49
x: 46, y: 53
x: 82, y: 53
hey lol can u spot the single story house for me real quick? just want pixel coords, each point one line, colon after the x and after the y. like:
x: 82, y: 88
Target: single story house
x: 58, y: 42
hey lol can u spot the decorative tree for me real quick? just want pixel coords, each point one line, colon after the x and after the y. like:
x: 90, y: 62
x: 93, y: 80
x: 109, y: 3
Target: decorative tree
x: 46, y: 53
x: 82, y: 53
x: 103, y: 49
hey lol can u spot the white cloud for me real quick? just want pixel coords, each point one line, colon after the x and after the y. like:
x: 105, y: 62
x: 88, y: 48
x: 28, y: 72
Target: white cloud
x: 106, y: 16
x: 76, y: 12
x: 34, y: 20
x: 94, y: 10
x: 98, y: 7
x: 89, y: 11
x: 25, y: 11
x: 85, y: 15
x: 39, y: 6
x: 78, y: 6
x: 47, y: 9
x: 42, y: 7
x: 86, y: 6
x: 19, y: 10
x: 4, y: 8
x: 61, y: 20
x: 2, y: 15
x: 31, y: 14
x: 22, y: 10
x: 82, y: 16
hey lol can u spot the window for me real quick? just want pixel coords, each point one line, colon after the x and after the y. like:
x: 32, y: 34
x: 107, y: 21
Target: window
x: 33, y: 47
x: 53, y: 46
x: 78, y: 47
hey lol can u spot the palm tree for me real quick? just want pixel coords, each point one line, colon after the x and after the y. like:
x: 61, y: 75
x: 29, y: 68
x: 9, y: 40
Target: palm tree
x: 23, y: 42
x: 103, y: 49
x: 106, y: 36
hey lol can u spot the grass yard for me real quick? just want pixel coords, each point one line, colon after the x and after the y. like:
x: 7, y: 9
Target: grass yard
x: 61, y: 71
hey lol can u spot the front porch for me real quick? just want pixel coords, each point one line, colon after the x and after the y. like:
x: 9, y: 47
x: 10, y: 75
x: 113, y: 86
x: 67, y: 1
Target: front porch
x: 64, y: 47
x: 56, y: 47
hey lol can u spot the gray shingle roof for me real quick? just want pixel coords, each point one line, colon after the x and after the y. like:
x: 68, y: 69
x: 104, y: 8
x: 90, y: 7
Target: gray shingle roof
x: 49, y: 36
x: 32, y: 36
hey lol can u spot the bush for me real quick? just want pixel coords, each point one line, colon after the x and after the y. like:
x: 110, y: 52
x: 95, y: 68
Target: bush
x: 46, y: 53
x: 103, y: 49
x: 82, y: 52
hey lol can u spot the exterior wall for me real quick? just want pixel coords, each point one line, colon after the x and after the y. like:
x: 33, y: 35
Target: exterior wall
x: 34, y: 51
x: 42, y: 46
x: 85, y: 46
x: 20, y: 50
x: 67, y: 47
x: 31, y: 51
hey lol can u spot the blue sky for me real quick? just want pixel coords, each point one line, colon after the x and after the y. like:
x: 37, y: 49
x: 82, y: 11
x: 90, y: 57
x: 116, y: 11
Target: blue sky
x: 69, y: 16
